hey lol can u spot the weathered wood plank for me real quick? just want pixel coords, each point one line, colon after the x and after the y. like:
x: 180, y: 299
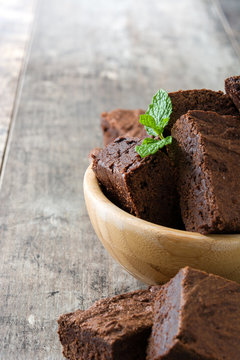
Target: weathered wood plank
x: 16, y: 18
x: 229, y: 15
x: 85, y: 58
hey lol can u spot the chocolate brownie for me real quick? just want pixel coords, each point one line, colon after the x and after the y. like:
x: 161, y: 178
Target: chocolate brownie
x: 113, y: 328
x: 145, y: 187
x: 121, y: 122
x: 196, y: 316
x: 126, y: 122
x: 202, y: 99
x: 206, y: 147
x: 232, y: 88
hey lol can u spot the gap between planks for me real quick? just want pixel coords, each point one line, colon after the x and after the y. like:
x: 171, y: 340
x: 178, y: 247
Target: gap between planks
x: 227, y: 27
x: 11, y: 100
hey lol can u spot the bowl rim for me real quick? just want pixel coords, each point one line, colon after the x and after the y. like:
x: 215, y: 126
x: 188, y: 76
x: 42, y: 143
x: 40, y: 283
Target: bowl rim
x: 92, y: 187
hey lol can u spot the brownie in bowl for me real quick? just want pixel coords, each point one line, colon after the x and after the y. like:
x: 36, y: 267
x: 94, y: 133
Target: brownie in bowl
x: 203, y: 99
x: 120, y: 122
x: 232, y: 88
x: 207, y: 155
x: 144, y: 187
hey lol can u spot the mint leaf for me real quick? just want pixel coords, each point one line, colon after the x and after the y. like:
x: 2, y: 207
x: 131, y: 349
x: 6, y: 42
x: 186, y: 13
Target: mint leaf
x: 166, y: 141
x: 149, y: 141
x: 160, y: 108
x: 151, y: 146
x: 155, y: 120
x: 150, y: 124
x: 150, y: 131
x: 164, y: 123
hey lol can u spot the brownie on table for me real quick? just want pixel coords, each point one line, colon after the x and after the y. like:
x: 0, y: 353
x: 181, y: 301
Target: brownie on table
x: 126, y: 122
x: 232, y: 88
x: 113, y: 328
x: 206, y: 148
x: 145, y: 187
x: 196, y: 316
x: 121, y: 122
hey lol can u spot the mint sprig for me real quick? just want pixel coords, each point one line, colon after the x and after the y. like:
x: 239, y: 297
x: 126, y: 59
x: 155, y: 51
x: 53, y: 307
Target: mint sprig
x: 151, y: 146
x: 156, y: 118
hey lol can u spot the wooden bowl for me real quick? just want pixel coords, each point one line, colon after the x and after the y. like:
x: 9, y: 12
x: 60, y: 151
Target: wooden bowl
x: 154, y: 253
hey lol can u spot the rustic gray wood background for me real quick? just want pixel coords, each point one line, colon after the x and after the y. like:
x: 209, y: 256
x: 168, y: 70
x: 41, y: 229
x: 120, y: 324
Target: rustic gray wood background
x: 61, y: 64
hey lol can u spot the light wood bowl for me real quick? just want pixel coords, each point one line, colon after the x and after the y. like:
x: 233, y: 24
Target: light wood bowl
x: 154, y: 253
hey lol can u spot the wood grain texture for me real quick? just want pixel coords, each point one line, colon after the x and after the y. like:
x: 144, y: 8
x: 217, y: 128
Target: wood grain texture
x: 229, y: 15
x: 16, y: 17
x: 86, y: 57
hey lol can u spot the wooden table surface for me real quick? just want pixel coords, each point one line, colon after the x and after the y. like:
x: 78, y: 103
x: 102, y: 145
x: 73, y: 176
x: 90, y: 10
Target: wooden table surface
x: 61, y: 64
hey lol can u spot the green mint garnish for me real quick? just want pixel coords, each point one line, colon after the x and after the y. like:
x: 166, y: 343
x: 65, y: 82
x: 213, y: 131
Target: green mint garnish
x: 151, y: 146
x: 155, y: 120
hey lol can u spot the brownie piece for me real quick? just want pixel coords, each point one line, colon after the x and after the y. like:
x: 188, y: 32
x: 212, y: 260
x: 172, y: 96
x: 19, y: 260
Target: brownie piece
x: 202, y: 99
x: 232, y: 88
x: 113, y: 328
x: 207, y: 153
x: 121, y: 122
x: 144, y: 187
x: 196, y: 316
x: 126, y: 122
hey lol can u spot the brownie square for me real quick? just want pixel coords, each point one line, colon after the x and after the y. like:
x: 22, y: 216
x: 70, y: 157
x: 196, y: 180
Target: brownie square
x: 121, y: 122
x: 196, y: 316
x: 145, y: 187
x: 232, y: 88
x: 113, y: 328
x: 202, y: 99
x: 206, y: 149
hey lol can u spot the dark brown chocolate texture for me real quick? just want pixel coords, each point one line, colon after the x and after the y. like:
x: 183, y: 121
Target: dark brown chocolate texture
x: 196, y: 317
x: 113, y: 329
x: 126, y: 122
x: 145, y: 187
x: 207, y: 153
x: 121, y: 122
x: 232, y: 88
x: 203, y: 99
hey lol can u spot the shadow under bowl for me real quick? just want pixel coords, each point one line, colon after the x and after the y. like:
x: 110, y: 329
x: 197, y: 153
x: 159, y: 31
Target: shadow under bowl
x: 154, y: 253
